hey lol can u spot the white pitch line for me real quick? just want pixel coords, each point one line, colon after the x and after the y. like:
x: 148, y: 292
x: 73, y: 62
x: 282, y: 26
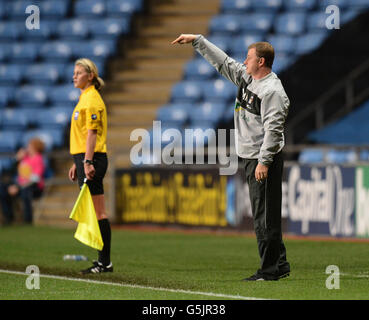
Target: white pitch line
x: 354, y: 275
x: 135, y: 286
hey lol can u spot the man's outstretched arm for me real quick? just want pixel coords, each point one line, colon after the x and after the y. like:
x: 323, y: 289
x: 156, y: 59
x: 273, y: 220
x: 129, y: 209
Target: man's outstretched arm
x: 226, y: 66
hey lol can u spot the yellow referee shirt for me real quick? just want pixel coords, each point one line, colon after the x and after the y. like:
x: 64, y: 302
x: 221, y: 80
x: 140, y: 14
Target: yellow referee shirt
x: 89, y: 114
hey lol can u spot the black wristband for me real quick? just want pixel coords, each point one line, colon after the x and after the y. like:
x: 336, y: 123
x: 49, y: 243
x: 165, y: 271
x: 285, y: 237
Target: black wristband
x: 89, y: 162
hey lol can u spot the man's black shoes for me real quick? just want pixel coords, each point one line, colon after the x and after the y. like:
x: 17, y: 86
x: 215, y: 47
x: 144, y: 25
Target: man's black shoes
x: 98, y: 267
x: 263, y: 277
x: 259, y: 277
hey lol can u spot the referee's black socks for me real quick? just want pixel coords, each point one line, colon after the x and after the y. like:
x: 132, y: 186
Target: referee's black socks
x: 104, y: 254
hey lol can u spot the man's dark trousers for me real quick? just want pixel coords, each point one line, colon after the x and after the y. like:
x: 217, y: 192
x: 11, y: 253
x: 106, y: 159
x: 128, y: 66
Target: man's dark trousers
x: 266, y: 203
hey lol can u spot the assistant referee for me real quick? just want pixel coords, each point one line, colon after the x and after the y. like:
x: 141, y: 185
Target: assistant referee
x: 88, y: 147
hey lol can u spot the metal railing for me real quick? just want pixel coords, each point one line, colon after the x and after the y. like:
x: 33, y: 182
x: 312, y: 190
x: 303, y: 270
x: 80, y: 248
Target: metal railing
x: 317, y: 108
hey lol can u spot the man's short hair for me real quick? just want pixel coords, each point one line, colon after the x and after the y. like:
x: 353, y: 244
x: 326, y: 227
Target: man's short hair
x: 264, y: 50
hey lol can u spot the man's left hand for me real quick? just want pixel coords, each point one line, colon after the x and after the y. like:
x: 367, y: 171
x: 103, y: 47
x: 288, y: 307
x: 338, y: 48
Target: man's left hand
x: 261, y: 172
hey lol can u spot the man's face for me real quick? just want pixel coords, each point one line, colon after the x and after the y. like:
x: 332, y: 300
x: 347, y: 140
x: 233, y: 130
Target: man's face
x: 252, y: 62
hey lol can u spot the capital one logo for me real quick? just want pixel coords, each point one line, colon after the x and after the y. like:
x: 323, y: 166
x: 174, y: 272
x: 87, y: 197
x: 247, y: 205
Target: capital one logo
x: 333, y: 20
x: 33, y: 20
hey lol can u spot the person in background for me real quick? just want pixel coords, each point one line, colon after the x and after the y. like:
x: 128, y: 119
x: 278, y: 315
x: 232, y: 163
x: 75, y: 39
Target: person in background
x: 88, y: 148
x: 29, y: 182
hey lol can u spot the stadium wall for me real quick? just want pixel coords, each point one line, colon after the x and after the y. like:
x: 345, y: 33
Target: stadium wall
x: 326, y: 200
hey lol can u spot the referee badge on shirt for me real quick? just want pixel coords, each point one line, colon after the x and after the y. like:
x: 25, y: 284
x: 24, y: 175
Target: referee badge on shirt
x: 76, y: 115
x: 93, y: 116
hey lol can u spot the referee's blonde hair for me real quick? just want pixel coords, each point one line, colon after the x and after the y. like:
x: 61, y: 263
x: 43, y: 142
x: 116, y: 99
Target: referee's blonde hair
x: 90, y: 67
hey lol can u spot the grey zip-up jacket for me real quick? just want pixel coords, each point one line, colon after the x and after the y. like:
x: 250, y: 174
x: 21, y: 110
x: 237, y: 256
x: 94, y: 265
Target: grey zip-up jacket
x: 261, y: 106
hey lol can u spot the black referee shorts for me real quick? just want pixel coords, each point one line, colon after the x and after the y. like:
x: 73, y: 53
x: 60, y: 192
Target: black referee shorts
x: 100, y: 164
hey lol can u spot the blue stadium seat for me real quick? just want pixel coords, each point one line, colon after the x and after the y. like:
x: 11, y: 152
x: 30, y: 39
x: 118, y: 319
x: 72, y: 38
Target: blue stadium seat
x: 32, y: 114
x: 6, y: 163
x: 282, y: 43
x: 316, y: 21
x: 282, y: 61
x: 222, y: 42
x: 226, y: 24
x: 186, y: 91
x: 309, y: 42
x: 47, y: 73
x: 14, y: 119
x: 219, y: 90
x: 24, y: 52
x: 11, y: 30
x: 16, y: 9
x: 310, y: 156
x: 6, y: 95
x: 211, y: 112
x: 64, y: 94
x: 94, y: 49
x: 9, y: 141
x: 267, y: 5
x: 56, y: 51
x: 239, y: 45
x: 54, y: 8
x: 358, y: 4
x: 341, y: 156
x: 2, y: 10
x: 341, y: 132
x: 303, y: 5
x: 109, y: 28
x: 85, y: 8
x: 239, y: 56
x: 351, y: 129
x: 54, y: 118
x: 72, y: 29
x: 176, y: 113
x: 29, y: 96
x: 11, y: 74
x: 260, y: 22
x: 349, y: 15
x: 47, y: 30
x: 5, y: 51
x: 123, y: 7
x: 290, y: 23
x: 199, y: 69
x: 342, y: 4
x: 235, y: 6
x: 364, y: 155
x: 52, y: 138
x: 228, y: 114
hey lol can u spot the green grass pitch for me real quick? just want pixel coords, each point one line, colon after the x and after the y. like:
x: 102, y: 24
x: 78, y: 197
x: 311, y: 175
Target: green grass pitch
x: 183, y: 265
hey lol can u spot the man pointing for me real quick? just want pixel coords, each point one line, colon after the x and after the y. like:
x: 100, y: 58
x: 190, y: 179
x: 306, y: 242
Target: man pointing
x: 261, y: 108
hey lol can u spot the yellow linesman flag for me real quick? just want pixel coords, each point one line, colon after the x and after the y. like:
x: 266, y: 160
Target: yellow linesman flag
x: 88, y: 231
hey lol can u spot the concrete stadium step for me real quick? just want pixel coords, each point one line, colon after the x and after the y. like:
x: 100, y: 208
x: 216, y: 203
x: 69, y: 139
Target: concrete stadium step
x: 145, y: 64
x: 129, y: 98
x: 165, y: 53
x: 187, y: 7
x: 122, y: 108
x: 144, y: 73
x: 139, y: 120
x: 139, y: 85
